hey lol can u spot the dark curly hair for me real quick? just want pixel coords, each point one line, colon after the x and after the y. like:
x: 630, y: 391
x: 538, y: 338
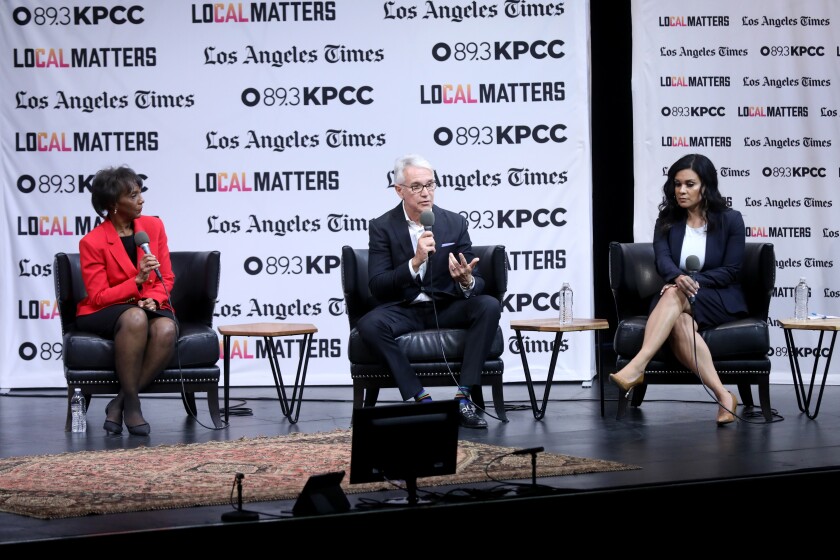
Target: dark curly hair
x: 711, y: 201
x: 109, y: 185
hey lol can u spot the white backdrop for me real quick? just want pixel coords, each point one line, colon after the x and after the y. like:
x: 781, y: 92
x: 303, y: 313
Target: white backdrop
x: 752, y: 85
x: 268, y: 133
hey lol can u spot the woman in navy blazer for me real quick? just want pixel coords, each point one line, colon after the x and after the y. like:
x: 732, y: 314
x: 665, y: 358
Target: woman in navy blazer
x: 127, y: 292
x: 699, y: 245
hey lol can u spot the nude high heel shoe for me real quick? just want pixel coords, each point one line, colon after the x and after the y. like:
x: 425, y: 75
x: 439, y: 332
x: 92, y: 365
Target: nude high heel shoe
x: 727, y: 417
x: 625, y: 386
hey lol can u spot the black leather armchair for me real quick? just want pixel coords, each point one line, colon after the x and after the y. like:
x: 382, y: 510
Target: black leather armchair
x: 739, y: 349
x: 89, y: 359
x: 423, y: 347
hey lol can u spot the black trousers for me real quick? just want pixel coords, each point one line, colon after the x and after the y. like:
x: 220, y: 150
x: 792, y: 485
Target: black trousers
x: 479, y: 314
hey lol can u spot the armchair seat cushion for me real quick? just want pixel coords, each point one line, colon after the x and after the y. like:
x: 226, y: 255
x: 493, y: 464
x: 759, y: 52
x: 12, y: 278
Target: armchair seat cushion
x: 198, y: 345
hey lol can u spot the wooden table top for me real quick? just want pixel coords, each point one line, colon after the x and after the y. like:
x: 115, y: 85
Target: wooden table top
x: 811, y: 324
x: 267, y: 329
x: 554, y: 325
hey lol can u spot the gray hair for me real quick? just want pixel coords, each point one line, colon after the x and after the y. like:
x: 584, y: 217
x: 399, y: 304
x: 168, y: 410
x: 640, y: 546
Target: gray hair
x: 410, y: 160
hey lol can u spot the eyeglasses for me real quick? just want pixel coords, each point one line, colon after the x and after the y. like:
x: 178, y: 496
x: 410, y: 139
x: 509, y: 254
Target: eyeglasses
x: 417, y: 187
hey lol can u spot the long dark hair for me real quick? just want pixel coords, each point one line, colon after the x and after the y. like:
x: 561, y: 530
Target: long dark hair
x: 711, y: 201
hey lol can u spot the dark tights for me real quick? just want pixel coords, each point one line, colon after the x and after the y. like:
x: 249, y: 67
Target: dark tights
x: 142, y: 347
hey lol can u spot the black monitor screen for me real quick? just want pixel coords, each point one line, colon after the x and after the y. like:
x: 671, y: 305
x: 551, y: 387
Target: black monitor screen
x: 404, y: 441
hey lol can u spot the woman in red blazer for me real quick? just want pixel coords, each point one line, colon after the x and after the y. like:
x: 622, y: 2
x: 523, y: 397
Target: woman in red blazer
x: 127, y: 292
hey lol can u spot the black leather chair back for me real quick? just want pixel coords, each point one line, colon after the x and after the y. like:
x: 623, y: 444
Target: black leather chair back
x: 634, y: 279
x: 354, y: 281
x: 758, y: 278
x: 493, y: 266
x: 193, y: 297
x: 197, y: 278
x: 69, y: 288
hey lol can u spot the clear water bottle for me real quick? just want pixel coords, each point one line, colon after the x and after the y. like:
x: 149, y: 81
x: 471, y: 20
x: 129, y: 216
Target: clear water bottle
x: 78, y: 412
x: 800, y: 300
x: 566, y: 300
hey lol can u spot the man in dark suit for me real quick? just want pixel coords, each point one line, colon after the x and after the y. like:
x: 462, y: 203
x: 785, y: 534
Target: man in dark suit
x: 426, y: 278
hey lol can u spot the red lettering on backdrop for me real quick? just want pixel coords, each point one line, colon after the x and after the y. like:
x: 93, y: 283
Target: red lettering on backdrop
x: 57, y: 225
x: 238, y: 182
x: 238, y: 349
x: 45, y: 312
x: 50, y: 142
x: 53, y: 58
x: 233, y: 13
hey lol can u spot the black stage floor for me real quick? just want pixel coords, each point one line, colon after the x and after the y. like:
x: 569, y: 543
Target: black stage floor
x: 692, y: 470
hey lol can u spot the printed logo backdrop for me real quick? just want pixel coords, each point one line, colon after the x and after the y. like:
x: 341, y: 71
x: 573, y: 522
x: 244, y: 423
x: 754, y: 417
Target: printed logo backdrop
x: 752, y: 85
x: 267, y: 130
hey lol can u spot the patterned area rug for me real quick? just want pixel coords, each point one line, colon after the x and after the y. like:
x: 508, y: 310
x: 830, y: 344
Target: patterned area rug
x: 202, y: 474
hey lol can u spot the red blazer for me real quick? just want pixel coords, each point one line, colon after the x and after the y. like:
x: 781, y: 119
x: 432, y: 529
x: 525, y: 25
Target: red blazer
x: 109, y: 274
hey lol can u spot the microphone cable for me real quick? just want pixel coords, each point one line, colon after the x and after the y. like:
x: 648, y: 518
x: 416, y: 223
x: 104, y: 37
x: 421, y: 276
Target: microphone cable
x: 427, y: 218
x: 443, y: 351
x: 193, y: 413
x: 692, y: 264
x: 708, y: 391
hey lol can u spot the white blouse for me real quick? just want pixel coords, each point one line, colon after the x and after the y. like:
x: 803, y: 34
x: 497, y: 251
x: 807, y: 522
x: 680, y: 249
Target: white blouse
x: 694, y: 243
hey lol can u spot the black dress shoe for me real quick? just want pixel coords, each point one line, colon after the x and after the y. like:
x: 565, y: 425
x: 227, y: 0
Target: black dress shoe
x: 111, y: 427
x: 469, y: 419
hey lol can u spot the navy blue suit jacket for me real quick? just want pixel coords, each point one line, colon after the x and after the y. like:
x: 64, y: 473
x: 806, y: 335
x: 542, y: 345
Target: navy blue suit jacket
x: 724, y: 254
x: 390, y: 250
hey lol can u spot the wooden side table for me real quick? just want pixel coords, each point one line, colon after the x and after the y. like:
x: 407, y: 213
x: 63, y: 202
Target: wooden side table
x: 268, y: 331
x: 554, y: 325
x: 822, y: 325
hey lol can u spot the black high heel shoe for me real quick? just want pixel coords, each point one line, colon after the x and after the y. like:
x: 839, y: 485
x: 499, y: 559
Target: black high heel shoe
x: 111, y: 427
x: 140, y: 429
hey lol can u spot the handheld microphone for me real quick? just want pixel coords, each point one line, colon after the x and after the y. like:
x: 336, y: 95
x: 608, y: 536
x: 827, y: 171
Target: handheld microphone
x: 427, y: 218
x: 141, y: 239
x: 692, y: 266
